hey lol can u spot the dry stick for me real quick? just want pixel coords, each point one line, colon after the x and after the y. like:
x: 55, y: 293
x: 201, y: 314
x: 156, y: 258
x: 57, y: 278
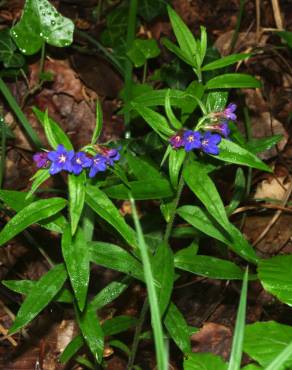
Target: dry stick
x: 258, y: 19
x: 261, y: 206
x: 276, y: 216
x: 8, y: 337
x: 277, y: 14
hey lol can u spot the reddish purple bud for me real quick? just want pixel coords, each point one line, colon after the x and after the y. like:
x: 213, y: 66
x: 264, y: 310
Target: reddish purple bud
x: 177, y: 141
x: 40, y: 159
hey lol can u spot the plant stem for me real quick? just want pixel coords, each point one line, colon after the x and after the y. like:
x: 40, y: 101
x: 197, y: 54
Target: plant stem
x: 237, y: 27
x: 128, y: 64
x: 3, y: 150
x: 175, y: 204
x: 144, y: 72
x: 20, y: 115
x: 137, y: 334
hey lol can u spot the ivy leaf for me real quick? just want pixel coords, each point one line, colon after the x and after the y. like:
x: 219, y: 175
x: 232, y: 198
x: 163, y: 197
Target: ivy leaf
x: 8, y: 54
x: 40, y: 22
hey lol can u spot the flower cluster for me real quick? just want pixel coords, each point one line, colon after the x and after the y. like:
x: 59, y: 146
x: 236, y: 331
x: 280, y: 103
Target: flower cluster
x: 207, y: 141
x: 69, y: 161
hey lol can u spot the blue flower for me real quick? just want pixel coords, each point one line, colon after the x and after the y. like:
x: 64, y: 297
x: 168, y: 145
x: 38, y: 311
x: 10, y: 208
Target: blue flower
x: 99, y: 164
x: 40, y: 159
x: 61, y: 160
x: 176, y: 141
x: 111, y: 155
x: 229, y: 112
x: 210, y: 143
x: 192, y: 140
x: 80, y: 161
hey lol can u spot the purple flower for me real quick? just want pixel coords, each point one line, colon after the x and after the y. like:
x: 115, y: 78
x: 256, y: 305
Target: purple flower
x: 61, y: 160
x: 40, y: 159
x: 229, y: 112
x: 192, y: 140
x: 177, y: 141
x: 210, y: 143
x: 80, y: 161
x: 111, y: 156
x: 99, y: 164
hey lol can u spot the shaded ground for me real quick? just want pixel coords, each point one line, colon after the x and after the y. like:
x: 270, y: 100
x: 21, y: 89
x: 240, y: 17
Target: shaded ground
x: 70, y: 98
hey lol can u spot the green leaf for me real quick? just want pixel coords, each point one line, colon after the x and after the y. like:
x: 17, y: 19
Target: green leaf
x: 141, y: 189
x: 276, y: 277
x: 184, y: 36
x: 155, y: 120
x: 178, y: 52
x: 76, y: 256
x: 233, y: 80
x: 177, y: 328
x: 142, y: 168
x: 203, y: 44
x: 114, y: 257
x: 233, y: 153
x: 287, y: 36
x: 118, y: 324
x: 109, y: 293
x: 26, y: 286
x: 264, y: 341
x: 163, y: 270
x: 40, y: 22
x: 225, y: 61
x: 239, y: 191
x: 71, y: 349
x: 54, y: 133
x: 8, y: 55
x: 265, y: 143
x: 214, y: 268
x: 39, y: 178
x: 142, y: 50
x: 169, y: 113
x: 175, y: 162
x: 237, y: 342
x: 98, y: 123
x: 103, y: 206
x: 92, y: 332
x: 77, y: 190
x: 42, y: 294
x: 206, y: 361
x: 281, y: 359
x: 29, y: 215
x: 216, y: 101
x: 204, y: 188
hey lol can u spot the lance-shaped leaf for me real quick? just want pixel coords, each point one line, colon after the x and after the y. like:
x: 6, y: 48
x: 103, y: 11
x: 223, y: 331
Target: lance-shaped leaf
x: 39, y: 178
x: 175, y: 162
x: 54, y: 133
x: 41, y: 22
x: 29, y: 215
x: 103, y: 206
x: 41, y: 295
x: 76, y: 256
x: 225, y: 61
x: 76, y: 186
x: 233, y: 153
x: 233, y: 80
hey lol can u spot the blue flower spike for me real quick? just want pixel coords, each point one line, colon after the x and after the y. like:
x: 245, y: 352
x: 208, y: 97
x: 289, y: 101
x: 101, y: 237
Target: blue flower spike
x: 80, y: 161
x: 177, y: 141
x: 99, y: 164
x: 192, y: 140
x: 61, y: 160
x: 40, y: 159
x: 210, y: 143
x: 229, y: 112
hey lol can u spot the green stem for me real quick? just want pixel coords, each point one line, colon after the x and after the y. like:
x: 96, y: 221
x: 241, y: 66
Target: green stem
x: 128, y: 64
x: 3, y: 150
x: 144, y: 72
x: 237, y: 27
x: 20, y: 115
x: 137, y: 334
x: 175, y: 204
x: 248, y: 130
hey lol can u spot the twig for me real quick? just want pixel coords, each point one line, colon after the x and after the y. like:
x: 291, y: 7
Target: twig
x: 268, y: 206
x: 277, y: 14
x: 276, y: 216
x: 258, y: 19
x: 6, y: 336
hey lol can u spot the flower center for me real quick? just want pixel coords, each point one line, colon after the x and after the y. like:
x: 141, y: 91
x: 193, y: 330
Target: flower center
x: 205, y: 142
x: 191, y: 139
x: 78, y: 161
x: 96, y: 161
x: 62, y: 158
